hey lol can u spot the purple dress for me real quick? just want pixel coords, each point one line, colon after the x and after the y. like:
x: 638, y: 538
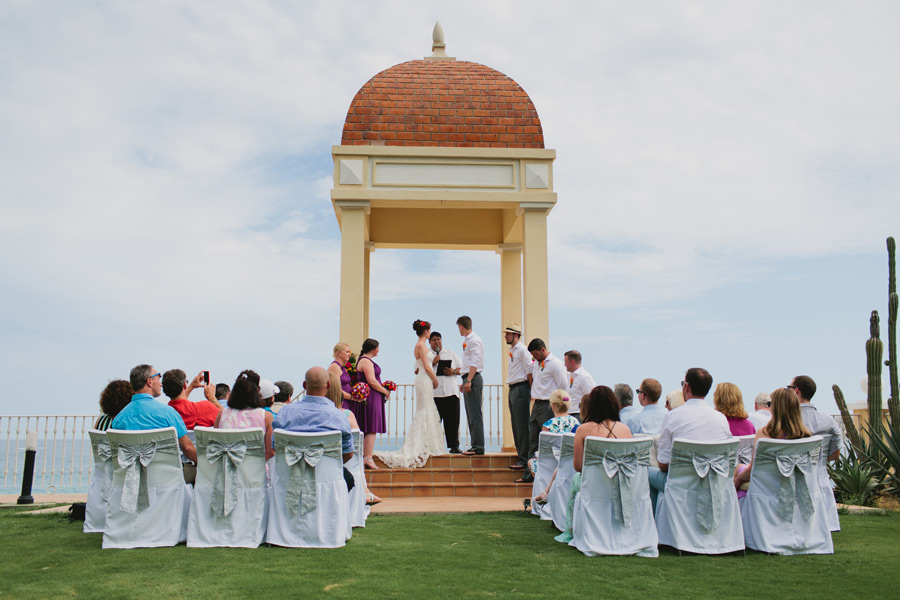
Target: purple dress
x: 346, y: 384
x: 370, y: 415
x: 740, y: 426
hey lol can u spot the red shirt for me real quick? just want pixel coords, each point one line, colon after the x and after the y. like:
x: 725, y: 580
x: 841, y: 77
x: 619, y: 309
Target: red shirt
x: 201, y: 413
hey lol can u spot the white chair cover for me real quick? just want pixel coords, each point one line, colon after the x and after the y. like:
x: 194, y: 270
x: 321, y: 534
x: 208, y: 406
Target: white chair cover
x: 613, y: 513
x: 359, y: 511
x: 230, y: 503
x: 745, y: 449
x: 653, y: 448
x: 149, y: 501
x: 831, y: 513
x: 309, y: 506
x: 548, y: 457
x: 699, y: 510
x: 101, y: 482
x: 783, y: 511
x: 558, y: 499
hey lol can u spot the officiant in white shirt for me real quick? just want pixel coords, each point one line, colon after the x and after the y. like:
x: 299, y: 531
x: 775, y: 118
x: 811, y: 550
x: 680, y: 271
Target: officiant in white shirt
x: 446, y: 395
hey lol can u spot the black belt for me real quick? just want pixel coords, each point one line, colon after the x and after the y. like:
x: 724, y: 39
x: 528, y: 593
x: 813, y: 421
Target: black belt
x: 512, y: 385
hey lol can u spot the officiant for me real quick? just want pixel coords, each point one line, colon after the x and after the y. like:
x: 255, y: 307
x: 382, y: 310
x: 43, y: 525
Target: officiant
x: 446, y: 366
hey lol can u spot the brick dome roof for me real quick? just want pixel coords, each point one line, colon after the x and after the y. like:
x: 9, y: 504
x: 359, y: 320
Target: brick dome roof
x: 442, y: 103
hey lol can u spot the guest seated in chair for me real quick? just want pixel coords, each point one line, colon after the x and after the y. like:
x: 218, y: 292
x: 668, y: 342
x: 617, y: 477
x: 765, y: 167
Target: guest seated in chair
x: 562, y: 422
x: 202, y: 413
x: 114, y: 397
x: 143, y: 412
x: 244, y: 410
x: 600, y: 418
x: 729, y: 401
x: 786, y: 424
x: 336, y: 394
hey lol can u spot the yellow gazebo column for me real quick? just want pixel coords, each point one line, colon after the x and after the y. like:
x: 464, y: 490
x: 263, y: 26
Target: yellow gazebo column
x: 354, y: 272
x: 534, y: 271
x: 510, y: 312
x: 370, y: 248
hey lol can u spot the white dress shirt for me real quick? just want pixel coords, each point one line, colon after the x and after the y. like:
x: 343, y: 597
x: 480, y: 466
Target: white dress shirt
x: 548, y: 376
x: 448, y: 385
x: 520, y: 364
x: 694, y: 420
x: 473, y: 354
x: 580, y: 384
x: 760, y: 418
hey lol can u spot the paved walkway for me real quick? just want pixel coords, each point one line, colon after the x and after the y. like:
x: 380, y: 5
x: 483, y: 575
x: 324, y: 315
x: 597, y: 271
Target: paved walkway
x: 409, y: 506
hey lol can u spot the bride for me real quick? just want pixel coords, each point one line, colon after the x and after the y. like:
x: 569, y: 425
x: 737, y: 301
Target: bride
x: 425, y: 436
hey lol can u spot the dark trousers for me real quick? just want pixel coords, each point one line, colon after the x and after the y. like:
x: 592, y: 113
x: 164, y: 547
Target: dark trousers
x: 473, y: 413
x: 448, y: 409
x: 540, y: 414
x: 519, y: 400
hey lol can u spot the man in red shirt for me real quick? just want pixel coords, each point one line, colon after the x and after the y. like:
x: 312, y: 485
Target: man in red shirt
x: 202, y: 413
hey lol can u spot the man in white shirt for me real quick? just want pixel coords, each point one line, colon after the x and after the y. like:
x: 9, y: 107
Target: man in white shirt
x: 472, y: 366
x: 627, y: 410
x: 649, y: 419
x: 580, y: 381
x: 695, y: 420
x: 762, y: 415
x: 446, y: 394
x: 547, y: 376
x: 518, y: 379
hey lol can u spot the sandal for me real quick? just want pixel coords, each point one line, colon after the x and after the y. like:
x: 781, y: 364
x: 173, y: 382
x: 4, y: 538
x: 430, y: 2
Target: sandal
x: 372, y: 499
x: 369, y: 463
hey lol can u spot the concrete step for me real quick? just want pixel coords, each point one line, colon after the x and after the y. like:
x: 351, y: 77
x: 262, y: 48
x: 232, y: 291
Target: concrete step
x: 487, y: 476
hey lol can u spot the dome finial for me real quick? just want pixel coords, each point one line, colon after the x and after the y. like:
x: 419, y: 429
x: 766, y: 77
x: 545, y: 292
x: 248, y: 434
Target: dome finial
x: 438, y: 46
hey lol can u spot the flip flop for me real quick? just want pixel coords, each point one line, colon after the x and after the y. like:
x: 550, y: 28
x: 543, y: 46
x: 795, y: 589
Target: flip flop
x: 372, y: 499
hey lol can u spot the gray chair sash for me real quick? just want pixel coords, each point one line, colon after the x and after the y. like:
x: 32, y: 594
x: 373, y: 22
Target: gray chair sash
x: 621, y: 468
x: 794, y: 469
x: 745, y: 454
x: 104, y: 454
x: 546, y: 446
x: 229, y: 455
x: 135, y: 459
x: 713, y: 487
x: 566, y: 451
x: 302, y: 459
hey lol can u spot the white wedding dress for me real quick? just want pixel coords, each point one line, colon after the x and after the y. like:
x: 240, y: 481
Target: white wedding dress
x: 425, y: 436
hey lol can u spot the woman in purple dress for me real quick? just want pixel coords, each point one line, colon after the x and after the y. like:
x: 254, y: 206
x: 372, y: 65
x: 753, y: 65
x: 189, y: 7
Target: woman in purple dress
x: 370, y: 414
x: 341, y: 357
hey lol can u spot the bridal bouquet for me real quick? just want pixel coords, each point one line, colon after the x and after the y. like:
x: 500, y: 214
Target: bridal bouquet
x: 390, y: 386
x: 359, y: 392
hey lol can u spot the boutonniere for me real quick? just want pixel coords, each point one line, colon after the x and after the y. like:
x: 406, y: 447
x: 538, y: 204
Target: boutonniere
x: 464, y: 346
x: 571, y: 379
x: 542, y: 365
x: 510, y: 355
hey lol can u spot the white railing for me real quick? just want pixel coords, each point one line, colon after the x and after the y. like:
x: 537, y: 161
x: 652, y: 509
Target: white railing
x: 63, y: 459
x: 63, y: 462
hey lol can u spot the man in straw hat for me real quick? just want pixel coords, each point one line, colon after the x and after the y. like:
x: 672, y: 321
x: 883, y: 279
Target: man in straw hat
x: 518, y: 379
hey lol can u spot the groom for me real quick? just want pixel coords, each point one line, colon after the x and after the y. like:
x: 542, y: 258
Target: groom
x: 472, y: 365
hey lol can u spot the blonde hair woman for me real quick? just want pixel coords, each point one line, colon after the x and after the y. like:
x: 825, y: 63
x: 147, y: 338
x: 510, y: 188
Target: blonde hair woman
x: 729, y: 401
x: 341, y: 353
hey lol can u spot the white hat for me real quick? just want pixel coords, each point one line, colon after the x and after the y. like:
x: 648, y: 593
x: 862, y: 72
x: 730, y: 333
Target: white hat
x: 267, y: 389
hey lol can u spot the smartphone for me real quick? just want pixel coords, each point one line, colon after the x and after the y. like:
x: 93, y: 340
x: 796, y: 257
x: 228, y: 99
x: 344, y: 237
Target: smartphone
x: 205, y: 376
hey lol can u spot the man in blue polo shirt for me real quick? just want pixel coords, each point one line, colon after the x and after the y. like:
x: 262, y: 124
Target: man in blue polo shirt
x: 143, y: 412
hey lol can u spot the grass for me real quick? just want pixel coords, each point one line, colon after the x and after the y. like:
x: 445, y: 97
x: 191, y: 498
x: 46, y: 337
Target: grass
x: 494, y: 555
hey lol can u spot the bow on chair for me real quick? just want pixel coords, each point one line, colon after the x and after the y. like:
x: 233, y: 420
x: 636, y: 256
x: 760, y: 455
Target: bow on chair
x: 135, y: 490
x: 713, y: 486
x: 104, y: 454
x: 745, y: 454
x: 621, y: 468
x: 793, y: 488
x: 225, y: 489
x: 301, y: 488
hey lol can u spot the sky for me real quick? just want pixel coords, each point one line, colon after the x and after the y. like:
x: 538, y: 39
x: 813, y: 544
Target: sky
x: 727, y: 174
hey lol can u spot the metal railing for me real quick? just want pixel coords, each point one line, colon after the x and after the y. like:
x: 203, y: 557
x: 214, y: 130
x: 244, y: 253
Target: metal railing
x: 64, y: 461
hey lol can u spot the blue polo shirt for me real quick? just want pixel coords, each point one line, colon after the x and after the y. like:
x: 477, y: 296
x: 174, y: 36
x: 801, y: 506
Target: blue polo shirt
x: 143, y: 412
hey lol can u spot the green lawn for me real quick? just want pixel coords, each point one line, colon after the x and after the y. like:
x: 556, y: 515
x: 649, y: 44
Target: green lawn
x: 445, y: 556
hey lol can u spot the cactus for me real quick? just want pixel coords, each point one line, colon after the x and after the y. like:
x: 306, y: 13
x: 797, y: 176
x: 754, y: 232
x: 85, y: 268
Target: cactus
x: 874, y: 352
x: 894, y: 402
x: 849, y: 426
